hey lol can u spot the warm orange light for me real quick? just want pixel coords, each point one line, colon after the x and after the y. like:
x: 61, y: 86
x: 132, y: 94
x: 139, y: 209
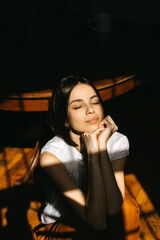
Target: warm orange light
x: 3, y: 212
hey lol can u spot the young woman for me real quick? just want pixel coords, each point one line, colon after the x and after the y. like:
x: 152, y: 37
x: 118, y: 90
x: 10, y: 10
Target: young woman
x: 84, y: 162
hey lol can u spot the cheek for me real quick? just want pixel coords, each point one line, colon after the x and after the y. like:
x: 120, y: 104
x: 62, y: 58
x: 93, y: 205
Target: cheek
x: 75, y: 118
x: 101, y: 113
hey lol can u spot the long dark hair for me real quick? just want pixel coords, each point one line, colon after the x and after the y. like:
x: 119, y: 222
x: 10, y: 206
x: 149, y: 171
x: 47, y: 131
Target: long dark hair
x: 57, y: 113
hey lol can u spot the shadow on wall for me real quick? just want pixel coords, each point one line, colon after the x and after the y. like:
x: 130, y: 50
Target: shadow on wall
x: 141, y: 12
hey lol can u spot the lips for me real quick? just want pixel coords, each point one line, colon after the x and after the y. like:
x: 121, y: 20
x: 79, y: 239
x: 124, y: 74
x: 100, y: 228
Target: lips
x: 93, y: 120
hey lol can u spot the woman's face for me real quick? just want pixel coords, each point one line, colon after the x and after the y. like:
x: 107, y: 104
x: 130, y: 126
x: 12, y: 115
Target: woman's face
x: 85, y: 111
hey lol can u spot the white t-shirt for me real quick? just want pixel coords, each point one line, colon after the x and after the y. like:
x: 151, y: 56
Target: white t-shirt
x: 117, y: 147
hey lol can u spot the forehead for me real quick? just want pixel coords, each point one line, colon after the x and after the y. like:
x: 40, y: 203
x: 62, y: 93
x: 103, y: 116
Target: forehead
x: 82, y: 91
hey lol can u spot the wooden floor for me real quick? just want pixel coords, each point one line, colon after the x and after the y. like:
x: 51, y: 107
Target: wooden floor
x: 19, y: 205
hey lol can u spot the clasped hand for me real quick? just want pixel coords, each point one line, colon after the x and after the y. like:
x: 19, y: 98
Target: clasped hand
x: 97, y: 140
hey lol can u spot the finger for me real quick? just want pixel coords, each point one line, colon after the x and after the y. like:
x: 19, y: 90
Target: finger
x: 98, y: 130
x: 114, y: 129
x: 105, y: 122
x: 84, y: 135
x: 109, y: 124
x: 110, y: 119
x: 94, y: 133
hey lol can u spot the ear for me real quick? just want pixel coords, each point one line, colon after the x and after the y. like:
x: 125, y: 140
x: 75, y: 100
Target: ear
x: 66, y: 124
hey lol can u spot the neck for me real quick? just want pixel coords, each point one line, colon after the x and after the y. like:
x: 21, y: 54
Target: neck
x: 76, y: 138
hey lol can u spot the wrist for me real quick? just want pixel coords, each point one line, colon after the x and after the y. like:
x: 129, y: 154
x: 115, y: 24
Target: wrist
x: 102, y: 143
x: 92, y: 148
x: 102, y: 147
x: 93, y: 158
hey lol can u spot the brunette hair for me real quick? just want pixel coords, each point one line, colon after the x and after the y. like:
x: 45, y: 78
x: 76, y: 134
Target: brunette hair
x: 57, y: 113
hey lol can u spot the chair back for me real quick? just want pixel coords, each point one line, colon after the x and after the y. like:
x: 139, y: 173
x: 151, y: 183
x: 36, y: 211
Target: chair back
x: 34, y: 162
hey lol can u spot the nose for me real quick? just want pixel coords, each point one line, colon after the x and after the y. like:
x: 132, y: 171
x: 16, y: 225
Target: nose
x: 89, y: 109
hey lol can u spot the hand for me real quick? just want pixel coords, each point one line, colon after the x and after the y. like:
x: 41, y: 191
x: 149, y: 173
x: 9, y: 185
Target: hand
x: 109, y: 127
x: 91, y: 140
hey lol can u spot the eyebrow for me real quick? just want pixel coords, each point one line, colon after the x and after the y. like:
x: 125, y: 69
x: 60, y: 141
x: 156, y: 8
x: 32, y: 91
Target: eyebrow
x: 80, y: 100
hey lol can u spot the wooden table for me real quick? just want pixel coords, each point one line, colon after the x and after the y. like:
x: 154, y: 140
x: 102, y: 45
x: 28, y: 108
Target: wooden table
x: 38, y: 100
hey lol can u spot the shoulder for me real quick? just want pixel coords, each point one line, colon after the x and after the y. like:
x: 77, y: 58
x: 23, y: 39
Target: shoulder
x: 54, y: 145
x: 118, y: 146
x: 52, y: 150
x: 58, y: 149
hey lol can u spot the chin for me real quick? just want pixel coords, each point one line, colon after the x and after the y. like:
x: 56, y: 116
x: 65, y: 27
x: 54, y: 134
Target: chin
x: 93, y: 128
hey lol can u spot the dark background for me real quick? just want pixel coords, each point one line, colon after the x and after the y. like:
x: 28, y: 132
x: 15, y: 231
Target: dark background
x: 45, y: 40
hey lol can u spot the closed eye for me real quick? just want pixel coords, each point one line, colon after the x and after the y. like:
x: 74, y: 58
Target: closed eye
x: 77, y: 107
x: 95, y: 102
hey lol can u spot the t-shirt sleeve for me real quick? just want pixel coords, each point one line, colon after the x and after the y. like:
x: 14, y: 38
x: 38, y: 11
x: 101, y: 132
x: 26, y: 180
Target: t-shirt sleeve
x: 58, y: 148
x: 53, y: 148
x: 118, y: 146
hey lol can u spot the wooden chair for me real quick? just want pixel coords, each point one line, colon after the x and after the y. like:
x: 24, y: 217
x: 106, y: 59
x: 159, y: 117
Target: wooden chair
x: 130, y: 209
x: 34, y: 162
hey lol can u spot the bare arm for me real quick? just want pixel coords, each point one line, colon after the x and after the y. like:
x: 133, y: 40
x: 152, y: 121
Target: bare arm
x: 90, y: 209
x: 96, y: 202
x: 114, y: 198
x: 112, y: 181
x: 118, y: 169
